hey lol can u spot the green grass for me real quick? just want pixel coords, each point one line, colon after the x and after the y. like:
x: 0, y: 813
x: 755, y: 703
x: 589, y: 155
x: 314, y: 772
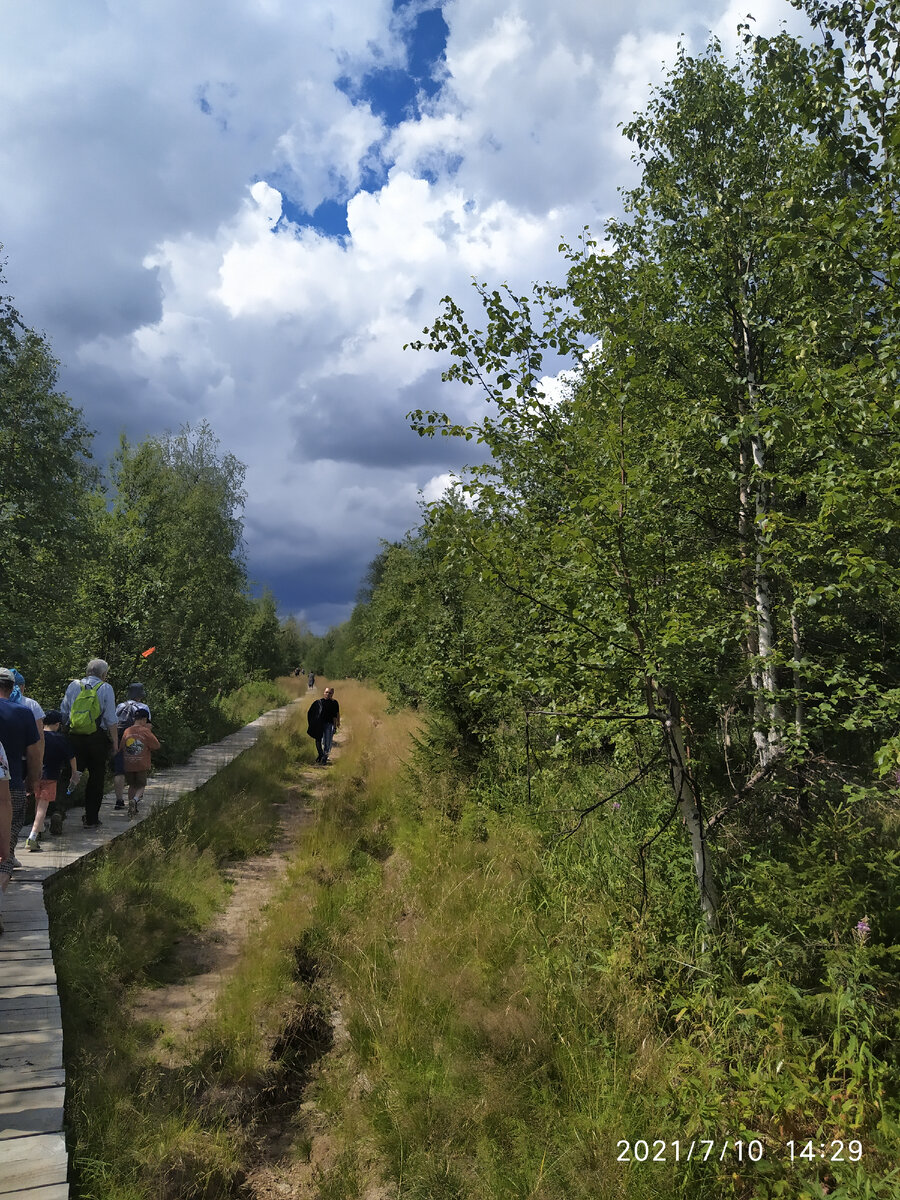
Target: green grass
x: 516, y: 1014
x: 137, y: 1129
x: 249, y: 701
x: 512, y: 1010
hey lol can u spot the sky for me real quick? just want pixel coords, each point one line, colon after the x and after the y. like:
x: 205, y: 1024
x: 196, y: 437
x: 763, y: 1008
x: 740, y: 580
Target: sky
x: 239, y: 211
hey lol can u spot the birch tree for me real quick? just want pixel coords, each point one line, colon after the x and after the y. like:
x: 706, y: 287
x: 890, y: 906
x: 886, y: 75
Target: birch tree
x: 671, y: 523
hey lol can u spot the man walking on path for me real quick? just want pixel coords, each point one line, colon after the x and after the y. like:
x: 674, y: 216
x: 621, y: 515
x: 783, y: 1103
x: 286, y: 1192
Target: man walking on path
x: 89, y: 709
x: 22, y: 742
x: 324, y: 717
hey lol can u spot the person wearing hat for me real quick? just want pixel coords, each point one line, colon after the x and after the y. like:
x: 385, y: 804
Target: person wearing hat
x: 19, y: 736
x: 89, y: 710
x: 57, y: 753
x: 125, y: 713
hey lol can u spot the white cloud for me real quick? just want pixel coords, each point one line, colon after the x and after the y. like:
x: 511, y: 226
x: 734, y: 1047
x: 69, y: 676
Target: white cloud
x: 147, y: 149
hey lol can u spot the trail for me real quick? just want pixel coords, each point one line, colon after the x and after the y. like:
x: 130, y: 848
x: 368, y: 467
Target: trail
x: 204, y: 963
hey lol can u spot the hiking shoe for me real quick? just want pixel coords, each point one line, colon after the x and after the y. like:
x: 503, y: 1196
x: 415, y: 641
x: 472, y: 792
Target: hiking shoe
x: 90, y: 824
x: 119, y: 804
x: 32, y: 844
x: 15, y: 862
x: 132, y: 809
x: 56, y: 820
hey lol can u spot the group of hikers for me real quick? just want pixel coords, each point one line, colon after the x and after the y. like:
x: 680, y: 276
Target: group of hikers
x: 44, y: 754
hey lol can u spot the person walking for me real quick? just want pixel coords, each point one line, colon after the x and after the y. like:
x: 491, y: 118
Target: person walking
x: 19, y: 735
x: 57, y: 754
x: 125, y: 713
x: 137, y: 743
x: 323, y: 718
x: 89, y: 710
x: 20, y: 696
x: 311, y: 679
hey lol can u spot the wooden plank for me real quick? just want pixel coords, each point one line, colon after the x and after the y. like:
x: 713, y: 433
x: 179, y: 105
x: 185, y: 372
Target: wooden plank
x: 32, y: 1162
x: 40, y: 1048
x: 29, y: 1077
x: 54, y: 1191
x: 24, y: 939
x: 17, y: 954
x: 35, y: 1110
x: 41, y: 1014
x: 12, y: 990
x: 25, y: 971
x: 25, y: 922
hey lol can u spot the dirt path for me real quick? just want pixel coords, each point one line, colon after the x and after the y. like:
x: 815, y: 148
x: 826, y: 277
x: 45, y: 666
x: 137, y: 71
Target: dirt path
x: 203, y: 964
x: 204, y: 961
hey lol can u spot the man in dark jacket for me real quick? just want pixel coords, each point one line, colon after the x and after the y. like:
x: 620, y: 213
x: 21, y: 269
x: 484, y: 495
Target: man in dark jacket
x: 323, y: 718
x: 20, y: 738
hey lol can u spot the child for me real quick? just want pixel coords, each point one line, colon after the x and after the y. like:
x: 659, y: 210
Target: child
x: 57, y: 752
x: 125, y: 719
x: 138, y: 742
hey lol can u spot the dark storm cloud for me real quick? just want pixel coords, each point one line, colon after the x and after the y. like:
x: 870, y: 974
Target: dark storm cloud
x: 352, y: 419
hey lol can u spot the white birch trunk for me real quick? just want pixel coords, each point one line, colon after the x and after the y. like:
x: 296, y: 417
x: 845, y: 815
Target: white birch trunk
x: 767, y: 734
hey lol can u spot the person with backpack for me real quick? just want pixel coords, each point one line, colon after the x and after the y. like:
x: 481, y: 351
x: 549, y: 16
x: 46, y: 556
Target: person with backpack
x: 125, y: 713
x: 89, y: 710
x: 137, y: 743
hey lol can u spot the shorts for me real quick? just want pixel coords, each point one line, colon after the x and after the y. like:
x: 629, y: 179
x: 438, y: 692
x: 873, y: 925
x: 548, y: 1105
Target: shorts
x: 118, y: 762
x: 45, y: 790
x: 136, y: 778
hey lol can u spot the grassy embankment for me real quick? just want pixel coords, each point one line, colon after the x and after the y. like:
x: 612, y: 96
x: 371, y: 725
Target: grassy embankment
x: 509, y: 1018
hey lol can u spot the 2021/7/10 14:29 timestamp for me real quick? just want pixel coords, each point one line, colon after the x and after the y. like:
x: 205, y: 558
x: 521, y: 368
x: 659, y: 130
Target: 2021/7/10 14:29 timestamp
x: 738, y: 1149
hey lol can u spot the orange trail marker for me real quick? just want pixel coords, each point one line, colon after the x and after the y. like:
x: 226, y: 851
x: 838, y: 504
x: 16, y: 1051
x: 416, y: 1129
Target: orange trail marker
x: 147, y: 653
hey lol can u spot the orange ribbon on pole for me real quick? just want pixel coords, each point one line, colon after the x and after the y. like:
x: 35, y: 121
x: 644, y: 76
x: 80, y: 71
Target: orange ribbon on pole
x: 147, y: 653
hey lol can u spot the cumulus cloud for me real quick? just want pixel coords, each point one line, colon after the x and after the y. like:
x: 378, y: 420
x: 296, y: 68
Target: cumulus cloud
x: 163, y: 164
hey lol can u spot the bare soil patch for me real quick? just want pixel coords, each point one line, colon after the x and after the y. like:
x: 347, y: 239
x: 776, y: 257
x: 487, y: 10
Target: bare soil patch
x: 203, y: 961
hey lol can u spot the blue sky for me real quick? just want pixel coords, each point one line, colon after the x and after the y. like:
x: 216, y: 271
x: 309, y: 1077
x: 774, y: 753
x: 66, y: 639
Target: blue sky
x: 240, y: 210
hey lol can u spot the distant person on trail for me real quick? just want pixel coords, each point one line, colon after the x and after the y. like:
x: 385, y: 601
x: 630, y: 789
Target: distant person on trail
x: 323, y: 718
x: 89, y: 710
x: 57, y: 753
x: 137, y: 742
x: 125, y: 713
x: 311, y: 679
x: 19, y: 735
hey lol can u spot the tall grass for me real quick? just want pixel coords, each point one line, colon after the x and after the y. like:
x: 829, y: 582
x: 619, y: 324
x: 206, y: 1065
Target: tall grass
x: 137, y: 1129
x: 512, y: 1007
x: 516, y: 1012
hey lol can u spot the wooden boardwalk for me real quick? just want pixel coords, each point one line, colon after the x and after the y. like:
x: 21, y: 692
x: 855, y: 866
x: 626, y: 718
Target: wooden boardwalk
x: 33, y: 1157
